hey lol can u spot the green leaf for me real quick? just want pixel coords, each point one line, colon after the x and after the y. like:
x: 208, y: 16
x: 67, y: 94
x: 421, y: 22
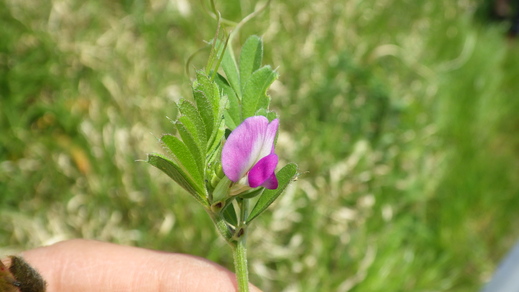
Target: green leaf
x: 177, y: 174
x: 191, y: 144
x: 219, y: 128
x: 251, y: 56
x: 229, y: 121
x: 210, y: 90
x: 233, y: 111
x: 255, y: 91
x: 191, y: 128
x: 231, y: 70
x: 205, y: 109
x: 229, y: 214
x: 214, y: 146
x: 189, y: 111
x: 251, y: 193
x: 270, y: 115
x: 184, y: 158
x: 284, y: 176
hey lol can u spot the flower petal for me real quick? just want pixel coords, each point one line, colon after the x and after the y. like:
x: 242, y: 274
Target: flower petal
x: 265, y: 143
x: 270, y: 136
x: 271, y: 183
x: 263, y: 172
x: 249, y: 142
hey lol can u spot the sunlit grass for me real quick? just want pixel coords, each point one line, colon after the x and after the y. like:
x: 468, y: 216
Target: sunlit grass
x: 401, y: 116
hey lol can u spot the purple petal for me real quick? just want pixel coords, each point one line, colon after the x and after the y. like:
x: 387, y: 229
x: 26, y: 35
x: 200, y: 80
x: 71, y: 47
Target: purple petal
x: 265, y: 143
x: 246, y: 145
x: 270, y: 135
x: 271, y: 182
x: 263, y: 171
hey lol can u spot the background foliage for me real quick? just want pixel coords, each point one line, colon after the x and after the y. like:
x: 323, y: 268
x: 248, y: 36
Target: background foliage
x: 402, y: 117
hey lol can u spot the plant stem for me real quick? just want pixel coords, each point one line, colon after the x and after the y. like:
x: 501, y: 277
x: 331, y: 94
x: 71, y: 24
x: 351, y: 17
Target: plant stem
x: 240, y: 249
x: 221, y: 226
x: 239, y: 253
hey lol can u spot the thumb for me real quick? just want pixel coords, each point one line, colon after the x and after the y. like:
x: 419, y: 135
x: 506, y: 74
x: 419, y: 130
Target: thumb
x: 86, y: 265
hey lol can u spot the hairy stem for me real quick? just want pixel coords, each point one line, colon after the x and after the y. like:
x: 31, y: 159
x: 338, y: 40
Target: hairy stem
x: 240, y: 264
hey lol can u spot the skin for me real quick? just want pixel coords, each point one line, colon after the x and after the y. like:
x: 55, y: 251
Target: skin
x: 86, y: 265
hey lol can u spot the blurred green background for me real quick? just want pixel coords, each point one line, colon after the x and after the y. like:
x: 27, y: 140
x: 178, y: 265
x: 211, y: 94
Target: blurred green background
x: 402, y: 116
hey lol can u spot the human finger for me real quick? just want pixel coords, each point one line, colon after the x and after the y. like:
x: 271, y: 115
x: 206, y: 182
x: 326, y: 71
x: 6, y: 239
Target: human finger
x: 87, y: 265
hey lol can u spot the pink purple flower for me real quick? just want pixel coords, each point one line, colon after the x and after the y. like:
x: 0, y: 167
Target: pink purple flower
x: 248, y: 155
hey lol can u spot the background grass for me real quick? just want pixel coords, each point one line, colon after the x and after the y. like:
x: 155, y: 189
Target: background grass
x: 402, y: 116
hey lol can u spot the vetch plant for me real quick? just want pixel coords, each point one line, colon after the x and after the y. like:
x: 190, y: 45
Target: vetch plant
x: 223, y: 153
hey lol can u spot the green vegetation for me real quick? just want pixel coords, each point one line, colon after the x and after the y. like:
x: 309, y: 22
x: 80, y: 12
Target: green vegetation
x: 401, y: 115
